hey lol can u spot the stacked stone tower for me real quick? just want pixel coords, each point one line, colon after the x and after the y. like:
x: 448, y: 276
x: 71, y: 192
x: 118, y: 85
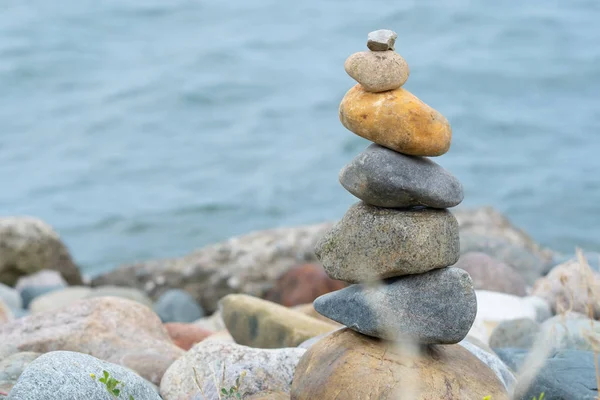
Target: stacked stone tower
x: 395, y: 246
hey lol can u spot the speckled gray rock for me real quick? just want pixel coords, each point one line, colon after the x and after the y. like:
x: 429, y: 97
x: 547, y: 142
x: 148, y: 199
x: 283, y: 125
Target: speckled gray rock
x: 494, y: 362
x: 372, y: 243
x: 438, y: 307
x: 7, y: 350
x: 28, y: 245
x: 381, y: 40
x: 176, y: 305
x: 377, y: 71
x: 65, y: 375
x: 518, y: 333
x: 266, y: 370
x: 385, y: 178
x: 12, y: 367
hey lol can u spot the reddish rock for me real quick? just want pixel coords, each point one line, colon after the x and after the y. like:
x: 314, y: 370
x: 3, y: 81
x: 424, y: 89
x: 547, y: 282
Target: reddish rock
x: 186, y: 336
x: 491, y: 274
x: 303, y: 284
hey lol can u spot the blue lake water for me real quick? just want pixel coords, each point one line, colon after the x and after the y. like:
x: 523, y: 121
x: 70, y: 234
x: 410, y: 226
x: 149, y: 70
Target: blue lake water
x: 145, y: 129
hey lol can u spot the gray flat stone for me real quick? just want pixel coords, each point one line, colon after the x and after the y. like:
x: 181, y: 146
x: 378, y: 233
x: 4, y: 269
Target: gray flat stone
x: 437, y: 307
x: 372, y: 243
x: 385, y: 178
x: 381, y: 40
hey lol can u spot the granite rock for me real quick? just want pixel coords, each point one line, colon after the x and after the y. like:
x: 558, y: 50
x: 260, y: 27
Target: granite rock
x: 396, y: 119
x: 249, y: 264
x: 113, y: 329
x: 62, y: 375
x: 377, y: 71
x: 260, y: 323
x: 12, y: 367
x: 176, y: 305
x: 566, y: 375
x: 347, y: 365
x: 438, y: 307
x: 372, y: 243
x: 385, y: 178
x: 381, y: 40
x: 28, y: 245
x: 266, y: 369
x: 491, y: 274
x: 518, y: 333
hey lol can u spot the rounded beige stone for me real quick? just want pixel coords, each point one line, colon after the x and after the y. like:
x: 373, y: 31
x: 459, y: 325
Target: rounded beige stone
x: 377, y: 71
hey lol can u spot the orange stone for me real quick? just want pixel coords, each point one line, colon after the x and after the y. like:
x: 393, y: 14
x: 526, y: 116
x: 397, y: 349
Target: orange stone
x: 396, y: 119
x: 185, y: 336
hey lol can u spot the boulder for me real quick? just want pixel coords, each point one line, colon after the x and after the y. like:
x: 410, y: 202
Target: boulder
x: 571, y: 286
x: 61, y: 375
x: 302, y: 284
x: 372, y: 243
x: 566, y: 375
x: 486, y: 230
x: 260, y: 323
x: 264, y: 370
x: 348, y: 365
x: 396, y: 119
x: 437, y: 307
x: 28, y: 245
x: 491, y: 274
x: 247, y: 264
x: 176, y: 305
x: 117, y: 330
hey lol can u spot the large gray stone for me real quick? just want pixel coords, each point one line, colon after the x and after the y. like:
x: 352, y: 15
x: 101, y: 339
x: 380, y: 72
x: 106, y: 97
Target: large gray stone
x: 265, y: 369
x: 66, y: 375
x: 518, y: 333
x: 372, y: 243
x: 566, y: 375
x: 385, y: 178
x: 437, y: 307
x: 12, y: 367
x: 177, y: 305
x: 381, y: 40
x: 28, y: 245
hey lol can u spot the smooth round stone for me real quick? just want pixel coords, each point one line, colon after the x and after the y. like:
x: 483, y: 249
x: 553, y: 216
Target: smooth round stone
x: 515, y: 333
x: 372, y: 243
x: 385, y: 178
x: 177, y: 305
x: 377, y: 71
x: 437, y: 307
x: 381, y: 40
x: 396, y: 119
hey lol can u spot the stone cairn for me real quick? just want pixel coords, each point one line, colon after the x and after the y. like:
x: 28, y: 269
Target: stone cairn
x: 395, y: 246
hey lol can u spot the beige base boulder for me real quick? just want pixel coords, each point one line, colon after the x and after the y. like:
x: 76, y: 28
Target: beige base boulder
x: 348, y: 365
x: 260, y: 323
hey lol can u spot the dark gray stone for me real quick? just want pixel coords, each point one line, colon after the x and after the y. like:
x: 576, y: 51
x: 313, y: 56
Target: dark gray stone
x: 436, y: 307
x: 29, y: 293
x: 515, y: 333
x: 65, y: 375
x: 381, y: 40
x: 177, y: 305
x: 372, y: 243
x: 12, y: 367
x: 382, y: 177
x: 567, y: 375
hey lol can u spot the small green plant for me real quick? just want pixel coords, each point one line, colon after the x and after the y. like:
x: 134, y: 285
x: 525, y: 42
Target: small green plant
x: 111, y: 384
x: 232, y: 393
x: 541, y: 397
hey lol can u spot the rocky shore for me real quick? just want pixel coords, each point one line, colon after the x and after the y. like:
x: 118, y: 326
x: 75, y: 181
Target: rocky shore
x: 408, y: 296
